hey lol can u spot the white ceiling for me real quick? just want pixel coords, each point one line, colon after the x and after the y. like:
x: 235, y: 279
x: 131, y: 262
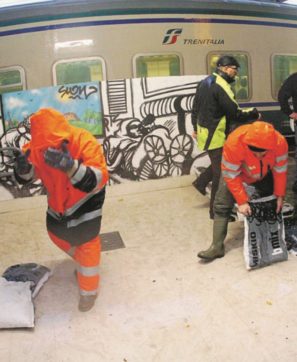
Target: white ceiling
x: 6, y: 3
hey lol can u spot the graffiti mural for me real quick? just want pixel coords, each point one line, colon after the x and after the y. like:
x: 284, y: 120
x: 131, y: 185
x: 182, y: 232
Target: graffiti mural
x: 80, y: 103
x: 11, y: 143
x: 148, y: 128
x: 144, y: 126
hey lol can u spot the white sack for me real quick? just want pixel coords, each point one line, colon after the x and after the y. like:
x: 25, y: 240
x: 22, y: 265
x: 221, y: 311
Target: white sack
x: 16, y: 306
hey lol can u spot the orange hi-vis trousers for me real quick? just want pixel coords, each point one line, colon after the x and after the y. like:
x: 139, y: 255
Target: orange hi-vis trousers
x: 87, y: 257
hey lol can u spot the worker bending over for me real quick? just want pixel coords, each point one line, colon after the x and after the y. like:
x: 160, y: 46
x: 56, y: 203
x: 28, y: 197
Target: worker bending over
x: 255, y: 154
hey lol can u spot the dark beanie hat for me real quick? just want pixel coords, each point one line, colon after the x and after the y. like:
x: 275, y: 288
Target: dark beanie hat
x: 227, y: 60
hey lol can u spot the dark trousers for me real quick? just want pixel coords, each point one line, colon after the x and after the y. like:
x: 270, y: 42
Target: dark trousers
x: 212, y: 173
x: 223, y: 205
x: 295, y: 150
x: 224, y: 201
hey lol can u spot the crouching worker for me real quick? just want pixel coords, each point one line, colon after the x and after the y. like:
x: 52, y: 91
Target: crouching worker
x: 70, y: 163
x: 255, y: 154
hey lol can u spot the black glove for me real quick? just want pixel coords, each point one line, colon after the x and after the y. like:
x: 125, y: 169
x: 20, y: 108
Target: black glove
x: 22, y: 165
x: 60, y: 159
x: 254, y: 114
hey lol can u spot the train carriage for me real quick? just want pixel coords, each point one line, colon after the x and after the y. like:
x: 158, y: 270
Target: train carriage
x: 126, y: 44
x: 58, y: 42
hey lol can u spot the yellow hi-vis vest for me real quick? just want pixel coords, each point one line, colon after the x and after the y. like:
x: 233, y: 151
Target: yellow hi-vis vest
x: 218, y: 135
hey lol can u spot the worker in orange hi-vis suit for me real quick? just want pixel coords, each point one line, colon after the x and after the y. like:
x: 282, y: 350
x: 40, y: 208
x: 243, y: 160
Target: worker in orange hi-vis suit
x: 71, y: 165
x: 254, y: 154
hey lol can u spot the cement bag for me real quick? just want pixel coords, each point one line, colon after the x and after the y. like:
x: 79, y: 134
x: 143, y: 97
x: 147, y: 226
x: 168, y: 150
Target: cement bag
x: 34, y: 273
x: 16, y: 306
x: 264, y: 235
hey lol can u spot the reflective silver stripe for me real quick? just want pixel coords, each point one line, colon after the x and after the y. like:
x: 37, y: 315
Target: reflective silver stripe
x: 230, y: 165
x: 230, y: 174
x: 280, y: 169
x: 97, y: 173
x: 88, y: 271
x: 54, y: 214
x: 79, y: 174
x: 282, y: 157
x: 72, y: 209
x: 256, y: 175
x: 85, y: 292
x: 264, y: 199
x: 71, y: 251
x: 81, y: 171
x: 85, y: 217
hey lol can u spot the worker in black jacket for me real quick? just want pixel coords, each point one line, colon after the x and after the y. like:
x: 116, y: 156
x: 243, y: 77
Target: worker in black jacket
x: 215, y: 113
x: 288, y: 91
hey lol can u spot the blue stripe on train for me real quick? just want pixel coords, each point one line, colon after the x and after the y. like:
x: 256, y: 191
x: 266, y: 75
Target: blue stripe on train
x: 145, y: 21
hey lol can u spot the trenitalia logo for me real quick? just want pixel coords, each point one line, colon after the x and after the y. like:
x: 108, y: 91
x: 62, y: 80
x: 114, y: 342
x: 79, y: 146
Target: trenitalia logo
x: 171, y: 36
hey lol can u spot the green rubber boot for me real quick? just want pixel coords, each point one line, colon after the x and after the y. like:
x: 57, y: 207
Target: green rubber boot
x: 216, y: 249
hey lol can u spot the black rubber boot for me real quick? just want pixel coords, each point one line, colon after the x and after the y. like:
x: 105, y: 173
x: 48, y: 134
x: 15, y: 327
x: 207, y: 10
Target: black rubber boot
x: 198, y: 187
x: 294, y: 187
x: 216, y: 249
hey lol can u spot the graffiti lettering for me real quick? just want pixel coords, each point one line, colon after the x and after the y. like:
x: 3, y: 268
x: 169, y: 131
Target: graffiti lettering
x: 77, y: 91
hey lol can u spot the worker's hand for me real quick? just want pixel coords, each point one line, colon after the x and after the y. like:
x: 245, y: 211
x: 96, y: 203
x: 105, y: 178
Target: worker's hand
x: 194, y: 135
x: 279, y: 204
x: 245, y: 209
x: 254, y: 114
x: 59, y: 158
x: 293, y: 116
x: 22, y: 166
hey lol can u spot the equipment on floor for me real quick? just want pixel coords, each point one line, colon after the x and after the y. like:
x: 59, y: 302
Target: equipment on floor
x: 36, y: 274
x: 264, y: 236
x: 19, y: 284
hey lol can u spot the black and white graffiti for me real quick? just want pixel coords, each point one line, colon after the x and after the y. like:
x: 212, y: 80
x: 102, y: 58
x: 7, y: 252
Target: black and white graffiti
x: 147, y: 133
x: 11, y: 143
x: 148, y: 128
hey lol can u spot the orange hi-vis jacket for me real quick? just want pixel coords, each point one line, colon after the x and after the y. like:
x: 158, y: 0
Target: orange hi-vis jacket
x: 49, y: 128
x: 240, y: 165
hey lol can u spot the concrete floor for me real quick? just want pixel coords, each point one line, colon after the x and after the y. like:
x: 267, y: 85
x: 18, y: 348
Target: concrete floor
x: 157, y: 302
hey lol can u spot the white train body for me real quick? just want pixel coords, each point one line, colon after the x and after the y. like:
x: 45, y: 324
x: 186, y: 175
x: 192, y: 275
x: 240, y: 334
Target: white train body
x: 132, y: 39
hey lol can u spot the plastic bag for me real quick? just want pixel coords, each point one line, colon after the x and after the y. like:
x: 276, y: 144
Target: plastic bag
x: 36, y: 274
x: 264, y: 239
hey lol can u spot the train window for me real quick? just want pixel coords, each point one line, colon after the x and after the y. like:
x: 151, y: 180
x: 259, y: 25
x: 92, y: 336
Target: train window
x: 282, y: 67
x: 241, y: 87
x: 156, y: 65
x: 79, y: 71
x: 12, y: 79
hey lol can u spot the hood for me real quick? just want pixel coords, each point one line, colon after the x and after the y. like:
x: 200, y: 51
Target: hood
x: 261, y: 134
x: 48, y: 129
